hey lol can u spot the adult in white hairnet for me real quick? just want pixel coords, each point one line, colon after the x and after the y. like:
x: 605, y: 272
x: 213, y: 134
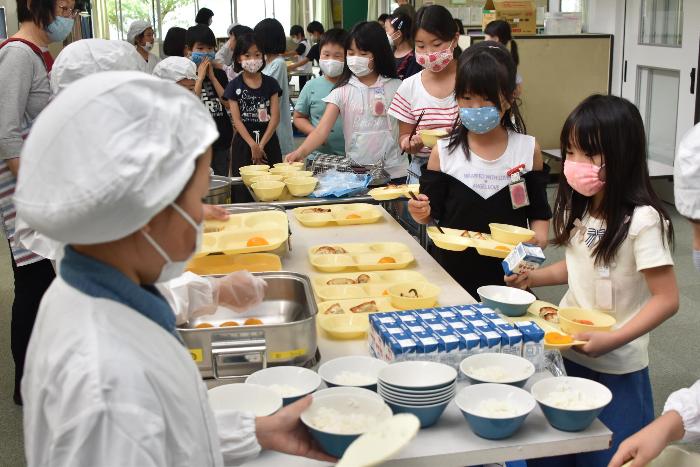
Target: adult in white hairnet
x: 141, y: 35
x: 180, y: 70
x: 88, y: 56
x: 116, y: 167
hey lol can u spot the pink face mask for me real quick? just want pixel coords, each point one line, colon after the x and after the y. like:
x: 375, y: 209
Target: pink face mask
x: 436, y: 61
x: 584, y: 177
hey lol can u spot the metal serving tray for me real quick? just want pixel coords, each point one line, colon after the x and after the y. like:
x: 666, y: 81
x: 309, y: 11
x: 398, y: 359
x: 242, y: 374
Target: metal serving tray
x: 287, y: 335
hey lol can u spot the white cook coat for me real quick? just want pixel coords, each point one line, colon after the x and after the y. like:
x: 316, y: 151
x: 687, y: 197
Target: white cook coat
x: 687, y: 403
x: 104, y: 385
x: 686, y: 174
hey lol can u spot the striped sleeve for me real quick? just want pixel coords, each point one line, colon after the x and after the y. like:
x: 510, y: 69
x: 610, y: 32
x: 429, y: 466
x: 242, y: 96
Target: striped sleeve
x: 401, y: 109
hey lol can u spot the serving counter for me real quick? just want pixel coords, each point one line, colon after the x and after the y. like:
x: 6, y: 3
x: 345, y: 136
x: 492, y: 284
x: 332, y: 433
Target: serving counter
x: 450, y: 442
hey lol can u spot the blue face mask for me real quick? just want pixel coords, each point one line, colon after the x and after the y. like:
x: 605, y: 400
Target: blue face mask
x: 59, y: 29
x: 198, y: 57
x: 480, y: 119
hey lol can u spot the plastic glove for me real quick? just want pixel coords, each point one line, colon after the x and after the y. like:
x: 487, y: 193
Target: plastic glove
x: 189, y: 296
x: 239, y: 291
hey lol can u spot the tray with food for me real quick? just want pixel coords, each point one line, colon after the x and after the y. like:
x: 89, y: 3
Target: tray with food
x: 365, y: 286
x: 360, y: 256
x: 226, y: 264
x: 389, y: 192
x: 498, y: 244
x: 338, y: 214
x: 251, y: 232
x: 355, y: 306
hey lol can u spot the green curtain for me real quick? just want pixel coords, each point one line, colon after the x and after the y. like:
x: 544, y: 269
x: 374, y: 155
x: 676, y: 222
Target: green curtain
x: 296, y: 10
x: 323, y: 12
x: 373, y: 9
x: 100, y: 21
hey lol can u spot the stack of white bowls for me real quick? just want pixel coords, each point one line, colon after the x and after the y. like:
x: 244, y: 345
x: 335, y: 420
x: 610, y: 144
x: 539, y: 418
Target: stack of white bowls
x: 421, y: 388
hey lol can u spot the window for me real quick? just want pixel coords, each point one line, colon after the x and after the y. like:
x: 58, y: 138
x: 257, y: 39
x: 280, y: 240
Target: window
x: 661, y: 23
x: 180, y: 13
x: 223, y: 15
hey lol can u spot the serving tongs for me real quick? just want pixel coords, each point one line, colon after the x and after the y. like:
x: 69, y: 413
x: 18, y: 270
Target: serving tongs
x: 432, y: 221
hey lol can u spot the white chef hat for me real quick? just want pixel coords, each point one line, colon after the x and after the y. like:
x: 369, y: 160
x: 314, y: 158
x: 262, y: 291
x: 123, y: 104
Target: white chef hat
x: 108, y: 154
x: 175, y: 69
x: 136, y: 28
x: 88, y: 56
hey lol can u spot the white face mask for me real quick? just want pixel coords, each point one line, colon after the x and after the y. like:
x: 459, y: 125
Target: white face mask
x: 147, y: 46
x: 331, y: 68
x: 173, y: 269
x: 252, y: 66
x: 359, y: 65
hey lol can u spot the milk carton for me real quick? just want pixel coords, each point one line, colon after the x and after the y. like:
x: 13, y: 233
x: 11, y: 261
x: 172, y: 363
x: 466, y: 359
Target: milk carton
x: 436, y: 324
x: 523, y: 258
x: 378, y: 323
x: 490, y: 340
x: 449, y: 351
x: 533, y: 343
x: 445, y: 312
x: 465, y: 311
x: 456, y: 323
x: 406, y: 316
x: 484, y: 310
x: 426, y: 313
x: 399, y: 347
x: 426, y: 345
x: 511, y: 338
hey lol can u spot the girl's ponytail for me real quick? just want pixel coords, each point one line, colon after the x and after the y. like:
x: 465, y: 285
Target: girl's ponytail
x: 514, y: 52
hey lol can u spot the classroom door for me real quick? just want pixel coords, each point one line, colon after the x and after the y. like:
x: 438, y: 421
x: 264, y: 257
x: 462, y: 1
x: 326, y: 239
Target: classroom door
x: 660, y: 72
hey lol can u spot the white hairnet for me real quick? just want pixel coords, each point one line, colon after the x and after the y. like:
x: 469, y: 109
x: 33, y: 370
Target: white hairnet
x: 89, y: 56
x: 108, y: 154
x: 176, y: 69
x: 136, y: 28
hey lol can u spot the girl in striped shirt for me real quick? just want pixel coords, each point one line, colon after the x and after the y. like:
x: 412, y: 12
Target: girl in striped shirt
x: 430, y: 92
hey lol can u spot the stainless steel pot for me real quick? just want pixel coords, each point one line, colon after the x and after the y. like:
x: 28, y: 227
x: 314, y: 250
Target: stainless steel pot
x: 219, y: 190
x: 287, y: 335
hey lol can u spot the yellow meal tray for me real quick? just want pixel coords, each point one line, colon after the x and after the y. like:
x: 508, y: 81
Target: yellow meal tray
x: 533, y: 314
x: 226, y: 264
x: 453, y: 240
x: 389, y: 192
x: 383, y: 278
x: 344, y: 327
x: 361, y: 256
x: 239, y: 233
x: 358, y: 306
x: 338, y: 214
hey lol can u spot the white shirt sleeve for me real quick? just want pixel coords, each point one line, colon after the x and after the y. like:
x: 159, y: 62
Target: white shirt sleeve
x: 237, y: 437
x: 687, y: 403
x: 187, y: 294
x: 225, y: 54
x: 337, y: 98
x: 107, y: 436
x: 651, y: 249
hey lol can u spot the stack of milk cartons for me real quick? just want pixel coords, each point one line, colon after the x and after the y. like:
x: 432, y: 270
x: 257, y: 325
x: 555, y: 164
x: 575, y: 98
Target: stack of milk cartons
x: 450, y: 334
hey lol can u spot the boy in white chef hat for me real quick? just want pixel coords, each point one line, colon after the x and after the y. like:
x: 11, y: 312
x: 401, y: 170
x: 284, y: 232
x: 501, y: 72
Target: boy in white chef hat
x: 179, y: 70
x: 116, y: 167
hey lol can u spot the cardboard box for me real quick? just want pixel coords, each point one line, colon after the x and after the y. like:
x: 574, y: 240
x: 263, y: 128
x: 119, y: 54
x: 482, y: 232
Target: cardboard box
x: 520, y: 14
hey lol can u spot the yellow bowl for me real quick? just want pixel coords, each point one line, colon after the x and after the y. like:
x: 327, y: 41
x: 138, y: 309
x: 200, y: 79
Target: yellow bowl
x: 254, y: 168
x: 430, y: 137
x: 511, y: 234
x: 267, y: 178
x: 297, y: 173
x: 601, y: 321
x: 268, y: 191
x: 284, y: 169
x: 427, y: 295
x: 289, y: 164
x: 301, y: 186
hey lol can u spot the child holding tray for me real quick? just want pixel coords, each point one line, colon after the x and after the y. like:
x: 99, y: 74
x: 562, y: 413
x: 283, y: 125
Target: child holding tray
x: 617, y: 236
x: 466, y: 183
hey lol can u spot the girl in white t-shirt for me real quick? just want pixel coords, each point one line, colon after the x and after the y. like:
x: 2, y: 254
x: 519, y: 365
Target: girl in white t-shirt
x: 429, y: 93
x: 361, y: 97
x: 617, y: 237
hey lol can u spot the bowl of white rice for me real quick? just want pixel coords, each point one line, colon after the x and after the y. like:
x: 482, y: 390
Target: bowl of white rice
x: 497, y: 368
x: 336, y: 420
x: 569, y: 403
x: 355, y: 370
x: 290, y: 382
x: 494, y: 411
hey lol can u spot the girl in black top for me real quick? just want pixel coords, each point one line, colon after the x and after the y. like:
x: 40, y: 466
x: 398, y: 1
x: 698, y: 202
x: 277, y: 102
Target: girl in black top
x: 400, y: 35
x: 465, y: 185
x: 255, y: 108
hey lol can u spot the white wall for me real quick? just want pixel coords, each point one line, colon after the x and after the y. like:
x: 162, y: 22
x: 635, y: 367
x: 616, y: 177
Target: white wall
x: 608, y: 16
x: 11, y: 15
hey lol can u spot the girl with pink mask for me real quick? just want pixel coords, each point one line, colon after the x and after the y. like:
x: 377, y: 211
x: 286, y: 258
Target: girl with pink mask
x: 617, y: 237
x: 429, y: 93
